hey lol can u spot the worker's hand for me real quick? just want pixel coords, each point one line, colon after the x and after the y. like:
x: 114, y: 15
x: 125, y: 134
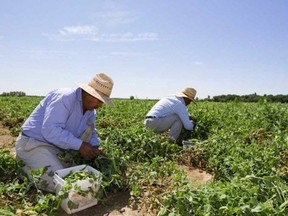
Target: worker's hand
x: 99, y: 150
x: 194, y: 120
x: 89, y: 152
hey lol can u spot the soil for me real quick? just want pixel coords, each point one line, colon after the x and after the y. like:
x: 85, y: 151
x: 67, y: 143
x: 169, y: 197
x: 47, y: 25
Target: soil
x: 7, y: 141
x: 196, y: 175
x: 117, y: 204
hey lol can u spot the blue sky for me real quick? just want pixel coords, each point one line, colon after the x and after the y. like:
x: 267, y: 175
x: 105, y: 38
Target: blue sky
x: 150, y: 48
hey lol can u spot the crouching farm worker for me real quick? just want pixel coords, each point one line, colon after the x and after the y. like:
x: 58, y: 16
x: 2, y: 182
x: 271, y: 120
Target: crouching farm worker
x: 170, y: 113
x: 63, y: 120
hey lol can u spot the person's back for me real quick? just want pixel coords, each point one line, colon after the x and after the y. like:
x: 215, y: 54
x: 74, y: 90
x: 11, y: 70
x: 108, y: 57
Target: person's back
x: 165, y: 106
x: 170, y: 113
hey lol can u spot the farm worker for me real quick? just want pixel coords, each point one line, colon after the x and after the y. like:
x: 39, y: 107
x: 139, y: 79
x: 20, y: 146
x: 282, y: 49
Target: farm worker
x: 63, y: 120
x: 170, y: 113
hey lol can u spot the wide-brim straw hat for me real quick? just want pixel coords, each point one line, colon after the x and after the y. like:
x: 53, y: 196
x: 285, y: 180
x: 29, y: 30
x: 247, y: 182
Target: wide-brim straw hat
x: 100, y: 87
x: 189, y: 93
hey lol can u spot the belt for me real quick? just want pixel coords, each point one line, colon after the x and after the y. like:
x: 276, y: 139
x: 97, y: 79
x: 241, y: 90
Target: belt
x: 23, y: 134
x: 148, y: 117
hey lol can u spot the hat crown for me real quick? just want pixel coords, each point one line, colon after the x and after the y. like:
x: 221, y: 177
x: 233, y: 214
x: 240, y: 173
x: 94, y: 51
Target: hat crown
x: 102, y: 83
x: 190, y: 93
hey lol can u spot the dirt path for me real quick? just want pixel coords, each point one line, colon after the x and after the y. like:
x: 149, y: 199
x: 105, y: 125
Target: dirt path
x: 117, y: 204
x: 7, y: 141
x: 195, y: 175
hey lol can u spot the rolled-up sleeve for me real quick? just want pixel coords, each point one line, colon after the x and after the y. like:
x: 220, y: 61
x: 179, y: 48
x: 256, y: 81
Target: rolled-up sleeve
x: 94, y: 138
x: 183, y: 114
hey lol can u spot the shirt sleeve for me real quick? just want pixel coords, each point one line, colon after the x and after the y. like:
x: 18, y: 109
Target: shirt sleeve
x: 183, y: 114
x: 53, y: 127
x: 94, y: 138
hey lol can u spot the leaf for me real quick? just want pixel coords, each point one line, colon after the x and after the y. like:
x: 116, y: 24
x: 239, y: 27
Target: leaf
x: 72, y: 205
x: 4, y: 212
x: 284, y: 205
x: 257, y: 209
x: 163, y: 211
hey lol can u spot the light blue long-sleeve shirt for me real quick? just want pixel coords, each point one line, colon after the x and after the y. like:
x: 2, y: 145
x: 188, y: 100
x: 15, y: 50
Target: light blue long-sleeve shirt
x: 59, y: 120
x: 172, y: 105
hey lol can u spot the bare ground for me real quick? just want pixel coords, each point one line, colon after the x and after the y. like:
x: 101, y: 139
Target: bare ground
x: 117, y: 204
x: 7, y: 141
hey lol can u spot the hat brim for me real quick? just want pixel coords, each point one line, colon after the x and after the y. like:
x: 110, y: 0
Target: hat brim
x: 180, y: 94
x: 96, y: 94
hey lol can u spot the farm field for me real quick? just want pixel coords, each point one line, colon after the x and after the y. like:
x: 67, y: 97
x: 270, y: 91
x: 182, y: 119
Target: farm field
x: 244, y: 146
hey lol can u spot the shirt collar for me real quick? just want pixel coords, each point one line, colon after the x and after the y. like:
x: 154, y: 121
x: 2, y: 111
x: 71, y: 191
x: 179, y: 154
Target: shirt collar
x: 181, y: 99
x: 79, y: 94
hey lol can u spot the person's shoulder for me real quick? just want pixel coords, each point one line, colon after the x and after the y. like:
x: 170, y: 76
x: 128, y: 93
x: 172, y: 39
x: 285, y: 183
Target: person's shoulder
x: 64, y: 94
x: 66, y: 91
x: 173, y: 98
x: 168, y: 97
x: 178, y: 101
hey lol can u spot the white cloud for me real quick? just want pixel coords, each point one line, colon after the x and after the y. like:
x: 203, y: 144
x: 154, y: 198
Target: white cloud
x: 38, y: 52
x: 91, y: 33
x: 198, y: 63
x: 126, y: 54
x: 128, y: 36
x: 78, y: 30
x: 116, y: 17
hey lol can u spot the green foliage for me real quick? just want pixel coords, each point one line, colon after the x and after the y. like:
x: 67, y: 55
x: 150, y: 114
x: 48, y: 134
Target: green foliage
x: 13, y: 111
x: 8, y: 166
x: 244, y: 146
x: 20, y: 197
x: 241, y: 196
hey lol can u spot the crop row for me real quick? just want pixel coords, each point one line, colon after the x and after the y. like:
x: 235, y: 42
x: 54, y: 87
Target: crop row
x: 243, y: 145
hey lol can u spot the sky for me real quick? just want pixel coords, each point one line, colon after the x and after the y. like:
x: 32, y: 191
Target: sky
x: 150, y: 48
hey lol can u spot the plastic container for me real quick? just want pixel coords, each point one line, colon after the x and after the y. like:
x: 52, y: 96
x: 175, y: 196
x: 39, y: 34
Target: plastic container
x: 89, y: 185
x: 188, y: 144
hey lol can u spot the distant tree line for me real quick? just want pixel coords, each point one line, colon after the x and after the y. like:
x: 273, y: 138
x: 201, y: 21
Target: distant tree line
x: 14, y: 93
x: 249, y: 98
x: 220, y: 98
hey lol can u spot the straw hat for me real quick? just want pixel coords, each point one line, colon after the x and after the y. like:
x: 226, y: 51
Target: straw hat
x: 100, y: 87
x: 189, y: 93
